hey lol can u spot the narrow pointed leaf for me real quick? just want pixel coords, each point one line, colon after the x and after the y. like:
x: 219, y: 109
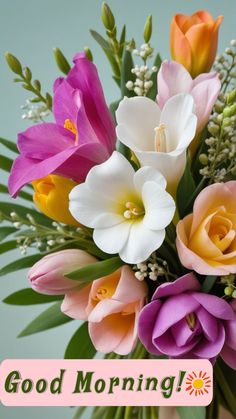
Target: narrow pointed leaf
x: 22, y: 194
x: 96, y: 270
x: 7, y: 246
x: 126, y: 75
x: 195, y: 412
x: 6, y: 231
x: 27, y: 296
x: 8, y: 207
x: 80, y: 345
x: 9, y: 144
x: 25, y: 262
x: 52, y: 317
x: 5, y: 163
x: 153, y: 91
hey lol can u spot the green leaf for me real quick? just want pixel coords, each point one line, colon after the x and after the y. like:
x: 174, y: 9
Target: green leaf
x: 96, y: 270
x: 27, y: 296
x: 80, y: 345
x: 185, y: 190
x: 122, y: 40
x: 22, y: 194
x: 6, y: 231
x: 225, y: 388
x: 52, y: 317
x: 7, y: 246
x: 9, y: 144
x: 25, y: 262
x: 208, y: 283
x: 126, y: 75
x: 109, y: 53
x: 8, y: 207
x: 195, y: 412
x: 79, y: 412
x: 5, y: 163
x: 113, y: 108
x: 152, y: 93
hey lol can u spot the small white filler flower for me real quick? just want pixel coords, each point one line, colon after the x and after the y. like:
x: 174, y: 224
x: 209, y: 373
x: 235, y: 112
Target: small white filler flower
x: 128, y: 210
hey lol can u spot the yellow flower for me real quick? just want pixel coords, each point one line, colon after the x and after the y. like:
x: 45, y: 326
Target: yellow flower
x: 51, y: 197
x: 193, y: 41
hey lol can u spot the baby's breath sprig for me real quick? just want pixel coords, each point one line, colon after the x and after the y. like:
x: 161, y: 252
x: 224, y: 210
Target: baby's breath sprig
x: 143, y: 74
x: 34, y: 112
x: 225, y: 64
x: 220, y: 159
x: 153, y: 268
x: 24, y: 76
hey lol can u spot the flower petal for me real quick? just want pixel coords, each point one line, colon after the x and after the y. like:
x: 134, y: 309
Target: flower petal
x: 159, y: 206
x: 178, y: 117
x: 141, y: 243
x: 75, y: 303
x: 185, y: 283
x: 147, y: 319
x: 137, y: 118
x: 112, y: 239
x: 207, y: 349
x: 148, y: 173
x: 214, y: 305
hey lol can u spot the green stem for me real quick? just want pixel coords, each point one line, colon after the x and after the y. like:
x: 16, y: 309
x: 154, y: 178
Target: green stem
x: 128, y: 412
x: 224, y: 386
x: 154, y: 412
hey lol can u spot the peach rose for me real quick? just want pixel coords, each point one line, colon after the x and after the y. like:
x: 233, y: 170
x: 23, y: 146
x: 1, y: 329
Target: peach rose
x: 193, y: 41
x: 206, y: 239
x: 111, y: 305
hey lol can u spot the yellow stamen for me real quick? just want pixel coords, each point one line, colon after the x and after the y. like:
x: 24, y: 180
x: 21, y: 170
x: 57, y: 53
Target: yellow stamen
x: 191, y: 320
x: 133, y: 210
x: 160, y: 138
x: 70, y: 125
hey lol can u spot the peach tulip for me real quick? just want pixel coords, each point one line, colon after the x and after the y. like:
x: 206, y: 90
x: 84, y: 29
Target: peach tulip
x: 111, y: 305
x: 193, y: 41
x: 206, y: 239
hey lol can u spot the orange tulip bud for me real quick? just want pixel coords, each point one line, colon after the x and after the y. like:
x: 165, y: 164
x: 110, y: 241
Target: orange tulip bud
x: 193, y: 41
x: 52, y: 198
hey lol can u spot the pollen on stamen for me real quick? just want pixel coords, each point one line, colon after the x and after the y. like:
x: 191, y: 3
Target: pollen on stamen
x: 70, y: 125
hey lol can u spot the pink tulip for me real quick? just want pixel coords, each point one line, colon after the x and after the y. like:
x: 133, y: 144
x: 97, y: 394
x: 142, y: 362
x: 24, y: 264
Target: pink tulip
x: 173, y: 78
x: 111, y: 305
x: 47, y: 276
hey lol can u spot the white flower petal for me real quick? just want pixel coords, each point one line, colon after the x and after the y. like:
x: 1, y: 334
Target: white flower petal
x: 171, y: 165
x: 141, y: 243
x: 180, y: 121
x: 146, y: 174
x: 111, y: 240
x: 112, y: 179
x: 137, y: 118
x: 159, y: 206
x: 89, y: 209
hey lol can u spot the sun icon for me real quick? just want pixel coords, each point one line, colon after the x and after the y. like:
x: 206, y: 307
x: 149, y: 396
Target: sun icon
x: 198, y: 384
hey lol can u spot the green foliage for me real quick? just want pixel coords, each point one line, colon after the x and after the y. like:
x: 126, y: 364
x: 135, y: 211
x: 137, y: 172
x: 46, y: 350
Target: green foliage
x: 80, y: 345
x: 6, y: 231
x: 185, y: 191
x: 27, y: 296
x: 5, y: 163
x: 152, y: 93
x: 7, y: 208
x: 9, y: 144
x: 61, y: 61
x: 52, y: 317
x: 126, y: 75
x: 21, y: 194
x: 25, y: 78
x: 147, y: 32
x: 208, y: 283
x: 96, y: 270
x: 7, y: 246
x: 195, y: 412
x: 22, y: 263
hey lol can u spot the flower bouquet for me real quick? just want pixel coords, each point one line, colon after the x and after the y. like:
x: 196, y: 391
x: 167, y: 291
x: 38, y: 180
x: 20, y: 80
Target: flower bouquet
x: 134, y: 205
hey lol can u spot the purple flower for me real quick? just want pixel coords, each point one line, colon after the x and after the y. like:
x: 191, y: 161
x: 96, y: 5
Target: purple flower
x: 82, y: 136
x: 183, y: 322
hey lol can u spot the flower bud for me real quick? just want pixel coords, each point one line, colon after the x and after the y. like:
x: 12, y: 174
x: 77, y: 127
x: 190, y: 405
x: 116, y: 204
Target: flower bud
x: 13, y: 63
x: 203, y: 159
x: 107, y: 17
x: 48, y: 275
x: 229, y: 111
x: 61, y: 61
x: 88, y: 53
x: 51, y: 197
x: 147, y: 33
x: 231, y: 96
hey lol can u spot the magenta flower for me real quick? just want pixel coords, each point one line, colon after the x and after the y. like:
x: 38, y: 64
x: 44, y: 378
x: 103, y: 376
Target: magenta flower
x: 82, y: 136
x: 182, y: 322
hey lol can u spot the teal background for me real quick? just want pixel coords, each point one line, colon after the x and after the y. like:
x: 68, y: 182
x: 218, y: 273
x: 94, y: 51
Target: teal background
x: 30, y: 29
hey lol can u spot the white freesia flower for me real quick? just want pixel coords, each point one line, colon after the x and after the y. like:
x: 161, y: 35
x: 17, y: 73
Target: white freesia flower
x: 128, y: 210
x: 158, y: 138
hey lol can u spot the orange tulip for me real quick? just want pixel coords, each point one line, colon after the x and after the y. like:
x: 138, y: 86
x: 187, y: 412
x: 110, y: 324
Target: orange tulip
x: 193, y: 41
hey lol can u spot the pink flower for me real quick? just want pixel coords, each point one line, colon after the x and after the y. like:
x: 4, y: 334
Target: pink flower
x: 111, y: 305
x: 173, y: 78
x: 47, y: 276
x: 82, y: 135
x: 206, y: 239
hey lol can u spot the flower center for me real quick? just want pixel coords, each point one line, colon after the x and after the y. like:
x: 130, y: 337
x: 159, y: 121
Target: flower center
x: 133, y: 211
x: 160, y: 138
x: 191, y: 320
x: 106, y: 289
x: 221, y: 232
x: 70, y: 125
